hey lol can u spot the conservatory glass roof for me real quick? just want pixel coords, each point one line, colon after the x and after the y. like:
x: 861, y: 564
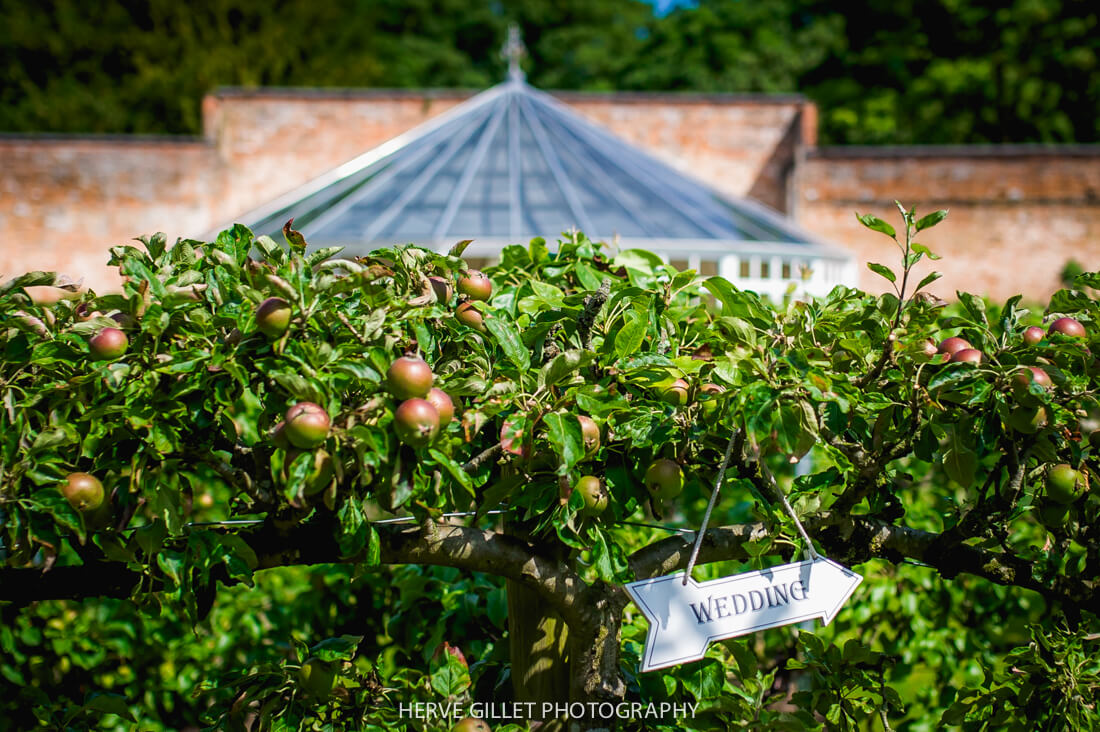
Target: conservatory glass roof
x: 506, y: 165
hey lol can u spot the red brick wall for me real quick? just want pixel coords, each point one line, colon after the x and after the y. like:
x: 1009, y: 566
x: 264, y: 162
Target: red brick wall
x: 67, y: 200
x: 86, y: 194
x: 1016, y: 213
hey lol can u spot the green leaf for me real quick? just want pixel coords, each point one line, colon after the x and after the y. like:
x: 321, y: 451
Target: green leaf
x: 928, y: 279
x: 705, y: 680
x: 299, y: 387
x: 30, y: 279
x: 322, y: 254
x: 564, y: 365
x: 455, y: 470
x: 354, y: 530
x: 566, y: 437
x: 374, y: 548
x: 450, y: 675
x: 883, y: 270
x: 876, y: 224
x: 630, y: 337
x: 507, y: 336
x: 1087, y: 279
x: 959, y: 460
x: 459, y: 247
x: 331, y: 650
x: 293, y: 238
x: 608, y: 559
x: 109, y: 704
x: 927, y: 222
x: 924, y: 251
x: 538, y: 250
x: 974, y: 306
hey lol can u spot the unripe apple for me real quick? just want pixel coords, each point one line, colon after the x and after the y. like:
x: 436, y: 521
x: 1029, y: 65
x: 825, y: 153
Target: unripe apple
x: 676, y: 393
x: 1024, y: 378
x: 273, y: 317
x: 475, y: 285
x: 967, y: 355
x: 1053, y: 514
x: 1027, y: 419
x: 953, y: 345
x: 108, y: 344
x: 471, y: 724
x: 468, y: 315
x: 591, y: 432
x: 83, y: 491
x: 710, y: 402
x: 409, y: 377
x: 1064, y: 484
x: 664, y: 479
x: 1033, y: 335
x: 1067, y: 326
x: 443, y: 404
x: 416, y: 422
x: 307, y: 425
x: 592, y: 490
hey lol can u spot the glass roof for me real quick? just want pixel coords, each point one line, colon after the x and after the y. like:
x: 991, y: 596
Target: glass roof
x: 509, y: 164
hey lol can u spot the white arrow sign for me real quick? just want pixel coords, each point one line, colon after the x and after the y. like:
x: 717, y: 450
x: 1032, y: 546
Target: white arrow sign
x: 683, y: 620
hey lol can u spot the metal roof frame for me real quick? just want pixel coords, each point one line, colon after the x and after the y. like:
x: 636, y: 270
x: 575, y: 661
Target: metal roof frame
x: 536, y: 161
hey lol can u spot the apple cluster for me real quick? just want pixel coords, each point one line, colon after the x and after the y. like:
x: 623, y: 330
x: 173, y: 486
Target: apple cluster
x: 425, y: 409
x: 472, y: 285
x: 1063, y: 484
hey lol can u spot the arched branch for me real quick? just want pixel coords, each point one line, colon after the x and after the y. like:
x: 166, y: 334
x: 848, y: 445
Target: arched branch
x: 444, y: 545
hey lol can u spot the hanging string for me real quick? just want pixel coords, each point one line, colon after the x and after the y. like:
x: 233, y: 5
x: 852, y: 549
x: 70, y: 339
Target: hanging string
x: 710, y: 506
x: 786, y: 505
x: 767, y: 474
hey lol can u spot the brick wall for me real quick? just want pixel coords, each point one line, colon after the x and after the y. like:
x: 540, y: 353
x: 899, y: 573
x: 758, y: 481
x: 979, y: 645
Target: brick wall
x: 1017, y: 213
x: 78, y: 196
x: 66, y: 200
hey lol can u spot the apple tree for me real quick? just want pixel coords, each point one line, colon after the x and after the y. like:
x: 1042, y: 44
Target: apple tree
x: 266, y: 487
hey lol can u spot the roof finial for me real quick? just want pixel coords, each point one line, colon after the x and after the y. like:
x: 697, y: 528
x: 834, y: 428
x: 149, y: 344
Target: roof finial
x: 514, y: 50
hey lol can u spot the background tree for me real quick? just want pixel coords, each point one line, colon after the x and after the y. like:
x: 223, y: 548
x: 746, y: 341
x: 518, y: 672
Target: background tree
x: 948, y: 71
x: 962, y: 488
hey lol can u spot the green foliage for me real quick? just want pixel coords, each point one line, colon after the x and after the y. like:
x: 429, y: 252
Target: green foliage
x: 940, y: 72
x: 181, y: 430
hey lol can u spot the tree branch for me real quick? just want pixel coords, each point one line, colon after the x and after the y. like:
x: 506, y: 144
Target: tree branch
x: 314, y: 543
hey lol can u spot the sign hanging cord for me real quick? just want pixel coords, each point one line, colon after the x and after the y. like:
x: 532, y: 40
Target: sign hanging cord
x: 787, y: 505
x: 714, y: 497
x: 710, y: 506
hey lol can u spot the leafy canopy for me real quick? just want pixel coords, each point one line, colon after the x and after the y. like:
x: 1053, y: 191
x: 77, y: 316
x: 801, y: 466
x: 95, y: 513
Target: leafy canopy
x: 914, y: 460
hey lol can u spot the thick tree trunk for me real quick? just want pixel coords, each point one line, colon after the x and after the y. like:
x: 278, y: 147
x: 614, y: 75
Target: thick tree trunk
x: 596, y: 680
x: 538, y: 646
x: 552, y: 662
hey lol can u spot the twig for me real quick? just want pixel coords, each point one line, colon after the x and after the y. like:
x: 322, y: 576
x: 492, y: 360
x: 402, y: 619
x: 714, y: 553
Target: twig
x: 592, y: 306
x: 484, y: 456
x: 344, y: 319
